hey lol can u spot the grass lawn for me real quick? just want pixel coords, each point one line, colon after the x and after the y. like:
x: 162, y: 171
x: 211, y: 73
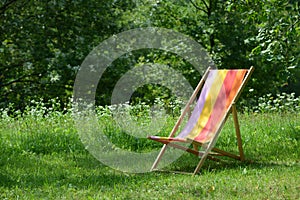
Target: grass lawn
x: 43, y: 158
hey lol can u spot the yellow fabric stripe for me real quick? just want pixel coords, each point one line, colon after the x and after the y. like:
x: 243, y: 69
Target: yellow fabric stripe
x: 209, y: 103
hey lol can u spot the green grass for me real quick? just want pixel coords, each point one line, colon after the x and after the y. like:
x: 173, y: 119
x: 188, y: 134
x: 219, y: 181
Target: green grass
x: 42, y: 158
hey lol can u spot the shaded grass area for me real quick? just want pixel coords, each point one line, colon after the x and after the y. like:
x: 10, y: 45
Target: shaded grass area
x: 44, y: 158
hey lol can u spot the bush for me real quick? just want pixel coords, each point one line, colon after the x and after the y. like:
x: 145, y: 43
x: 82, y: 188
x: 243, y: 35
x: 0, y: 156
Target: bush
x: 279, y: 103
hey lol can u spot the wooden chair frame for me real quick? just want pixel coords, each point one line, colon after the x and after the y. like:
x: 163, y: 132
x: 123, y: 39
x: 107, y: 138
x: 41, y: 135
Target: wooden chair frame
x: 210, y: 151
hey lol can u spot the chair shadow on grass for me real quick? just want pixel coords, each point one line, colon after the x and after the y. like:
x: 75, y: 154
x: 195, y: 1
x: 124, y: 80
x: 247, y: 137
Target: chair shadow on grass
x: 187, y: 162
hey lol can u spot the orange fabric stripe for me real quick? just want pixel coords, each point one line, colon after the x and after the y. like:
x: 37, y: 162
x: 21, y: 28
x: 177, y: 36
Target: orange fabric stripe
x: 219, y: 109
x: 230, y: 86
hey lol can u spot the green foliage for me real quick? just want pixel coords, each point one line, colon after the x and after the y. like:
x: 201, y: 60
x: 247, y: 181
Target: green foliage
x: 276, y: 52
x: 42, y: 128
x: 42, y: 44
x: 263, y: 34
x: 286, y: 103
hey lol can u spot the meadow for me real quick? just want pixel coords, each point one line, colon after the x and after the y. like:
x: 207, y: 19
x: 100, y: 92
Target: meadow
x: 42, y: 157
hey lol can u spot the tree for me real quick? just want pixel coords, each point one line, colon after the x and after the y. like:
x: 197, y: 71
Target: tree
x: 44, y: 43
x: 238, y: 34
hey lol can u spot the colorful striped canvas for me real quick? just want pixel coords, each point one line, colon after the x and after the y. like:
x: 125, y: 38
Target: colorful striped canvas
x: 218, y: 93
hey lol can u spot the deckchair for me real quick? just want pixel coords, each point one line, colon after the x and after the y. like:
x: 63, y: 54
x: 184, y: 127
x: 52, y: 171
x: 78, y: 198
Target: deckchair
x: 219, y: 91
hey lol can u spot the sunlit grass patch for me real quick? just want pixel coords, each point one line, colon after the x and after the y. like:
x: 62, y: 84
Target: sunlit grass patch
x: 42, y: 157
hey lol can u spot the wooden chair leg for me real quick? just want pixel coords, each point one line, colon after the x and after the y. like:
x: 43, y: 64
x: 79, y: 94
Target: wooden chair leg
x: 201, y: 162
x: 195, y: 147
x: 162, y: 151
x: 238, y: 133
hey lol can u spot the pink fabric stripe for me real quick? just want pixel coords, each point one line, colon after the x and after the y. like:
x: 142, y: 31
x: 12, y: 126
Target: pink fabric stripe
x: 199, y: 106
x: 219, y: 108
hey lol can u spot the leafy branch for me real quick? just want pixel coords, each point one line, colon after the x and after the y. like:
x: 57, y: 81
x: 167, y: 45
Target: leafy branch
x: 198, y: 7
x: 6, y: 5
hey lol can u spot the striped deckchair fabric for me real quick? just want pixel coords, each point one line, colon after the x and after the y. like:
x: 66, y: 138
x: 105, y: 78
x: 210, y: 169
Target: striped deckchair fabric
x: 219, y: 92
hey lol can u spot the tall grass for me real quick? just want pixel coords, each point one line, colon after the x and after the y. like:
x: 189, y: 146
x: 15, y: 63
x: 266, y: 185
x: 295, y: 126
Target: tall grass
x: 42, y: 157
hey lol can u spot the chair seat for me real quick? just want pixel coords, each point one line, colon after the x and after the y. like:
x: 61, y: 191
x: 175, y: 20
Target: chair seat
x: 167, y: 139
x: 219, y: 90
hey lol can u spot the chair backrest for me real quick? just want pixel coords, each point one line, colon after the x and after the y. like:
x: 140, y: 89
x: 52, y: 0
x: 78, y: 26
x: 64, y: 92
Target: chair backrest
x: 220, y: 90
